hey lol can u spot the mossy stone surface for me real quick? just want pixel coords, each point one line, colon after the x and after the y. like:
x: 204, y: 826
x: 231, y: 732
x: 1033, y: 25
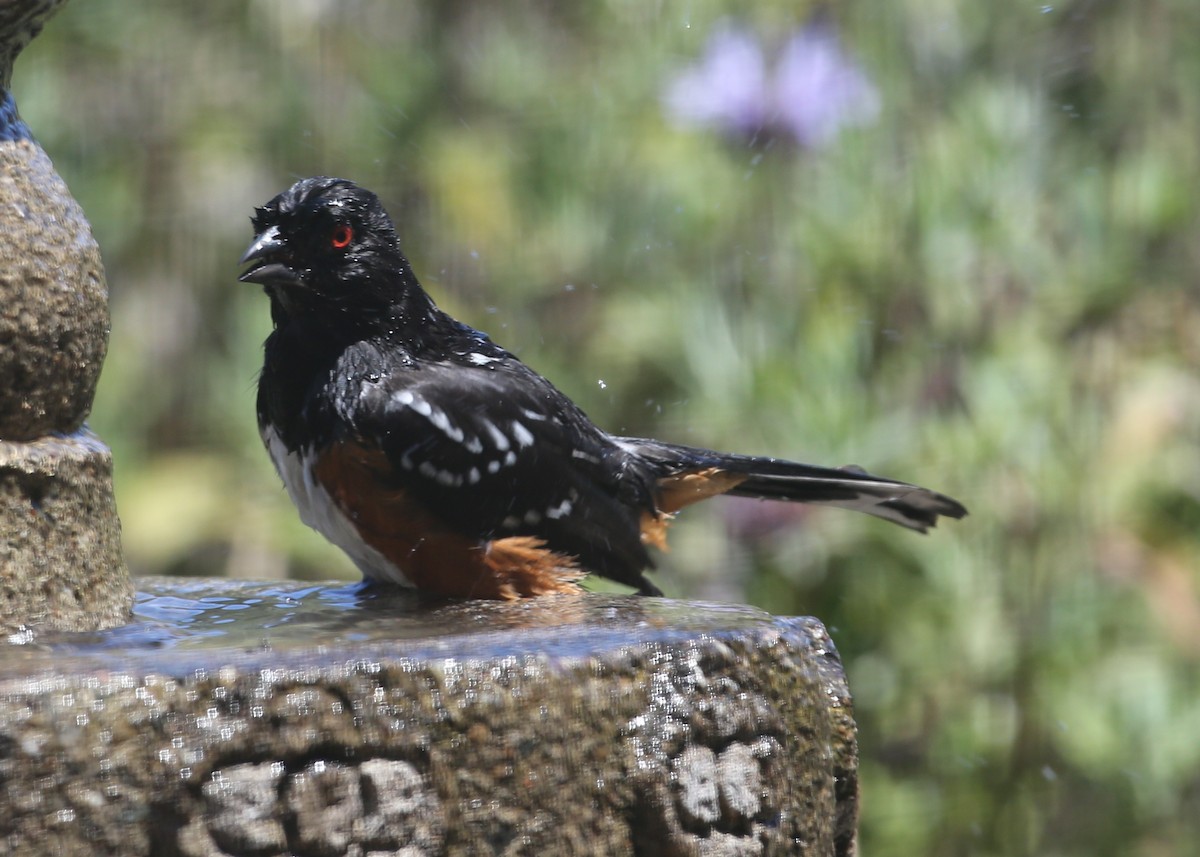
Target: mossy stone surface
x: 53, y: 300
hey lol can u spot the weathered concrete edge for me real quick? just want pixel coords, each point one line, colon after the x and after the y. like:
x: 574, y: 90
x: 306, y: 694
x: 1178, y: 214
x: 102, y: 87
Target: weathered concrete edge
x: 845, y: 735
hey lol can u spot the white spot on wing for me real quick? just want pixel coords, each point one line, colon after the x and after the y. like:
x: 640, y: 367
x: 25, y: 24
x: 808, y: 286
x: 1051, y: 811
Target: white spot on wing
x: 439, y: 418
x: 497, y: 436
x: 442, y: 422
x: 522, y: 435
x: 442, y: 477
x: 563, y: 509
x: 421, y: 406
x: 584, y: 456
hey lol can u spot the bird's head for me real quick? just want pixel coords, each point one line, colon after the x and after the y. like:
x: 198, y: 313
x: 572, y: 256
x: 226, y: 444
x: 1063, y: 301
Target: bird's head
x: 325, y: 247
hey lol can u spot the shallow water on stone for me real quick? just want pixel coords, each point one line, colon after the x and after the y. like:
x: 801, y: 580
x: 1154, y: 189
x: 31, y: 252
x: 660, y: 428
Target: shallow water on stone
x: 175, y: 616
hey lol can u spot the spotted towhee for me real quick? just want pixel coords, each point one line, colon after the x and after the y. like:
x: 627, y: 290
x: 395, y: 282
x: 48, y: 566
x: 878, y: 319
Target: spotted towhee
x: 437, y: 459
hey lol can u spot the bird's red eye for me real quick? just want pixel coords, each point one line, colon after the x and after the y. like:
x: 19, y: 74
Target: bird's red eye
x: 341, y: 236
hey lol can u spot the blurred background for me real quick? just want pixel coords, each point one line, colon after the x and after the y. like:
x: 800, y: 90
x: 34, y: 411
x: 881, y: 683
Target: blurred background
x: 952, y: 242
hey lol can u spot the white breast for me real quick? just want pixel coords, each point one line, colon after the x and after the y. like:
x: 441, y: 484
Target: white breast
x: 318, y: 511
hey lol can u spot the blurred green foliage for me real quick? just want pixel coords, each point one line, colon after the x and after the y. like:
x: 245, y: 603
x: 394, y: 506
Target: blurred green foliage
x: 989, y: 289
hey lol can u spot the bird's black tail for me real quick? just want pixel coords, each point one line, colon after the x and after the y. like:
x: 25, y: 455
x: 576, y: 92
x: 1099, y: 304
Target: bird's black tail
x: 777, y: 479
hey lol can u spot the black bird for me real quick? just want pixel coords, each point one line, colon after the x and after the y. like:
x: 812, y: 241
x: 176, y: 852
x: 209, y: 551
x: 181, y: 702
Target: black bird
x: 437, y: 459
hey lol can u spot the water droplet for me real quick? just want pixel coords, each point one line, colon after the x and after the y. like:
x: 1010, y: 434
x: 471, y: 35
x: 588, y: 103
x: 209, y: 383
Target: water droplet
x: 603, y: 386
x: 1046, y: 10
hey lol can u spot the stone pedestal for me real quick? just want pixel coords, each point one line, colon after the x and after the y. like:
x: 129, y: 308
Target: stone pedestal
x: 60, y: 553
x: 272, y: 719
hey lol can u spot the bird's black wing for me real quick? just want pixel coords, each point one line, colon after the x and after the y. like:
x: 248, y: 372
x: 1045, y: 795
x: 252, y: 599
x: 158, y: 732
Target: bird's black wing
x: 494, y: 450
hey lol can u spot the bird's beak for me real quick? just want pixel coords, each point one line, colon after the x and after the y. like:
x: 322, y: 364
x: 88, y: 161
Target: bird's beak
x: 268, y: 251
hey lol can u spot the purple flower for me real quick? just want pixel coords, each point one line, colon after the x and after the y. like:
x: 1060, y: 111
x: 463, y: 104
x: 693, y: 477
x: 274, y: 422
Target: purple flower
x: 725, y: 89
x: 819, y: 89
x: 815, y: 89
